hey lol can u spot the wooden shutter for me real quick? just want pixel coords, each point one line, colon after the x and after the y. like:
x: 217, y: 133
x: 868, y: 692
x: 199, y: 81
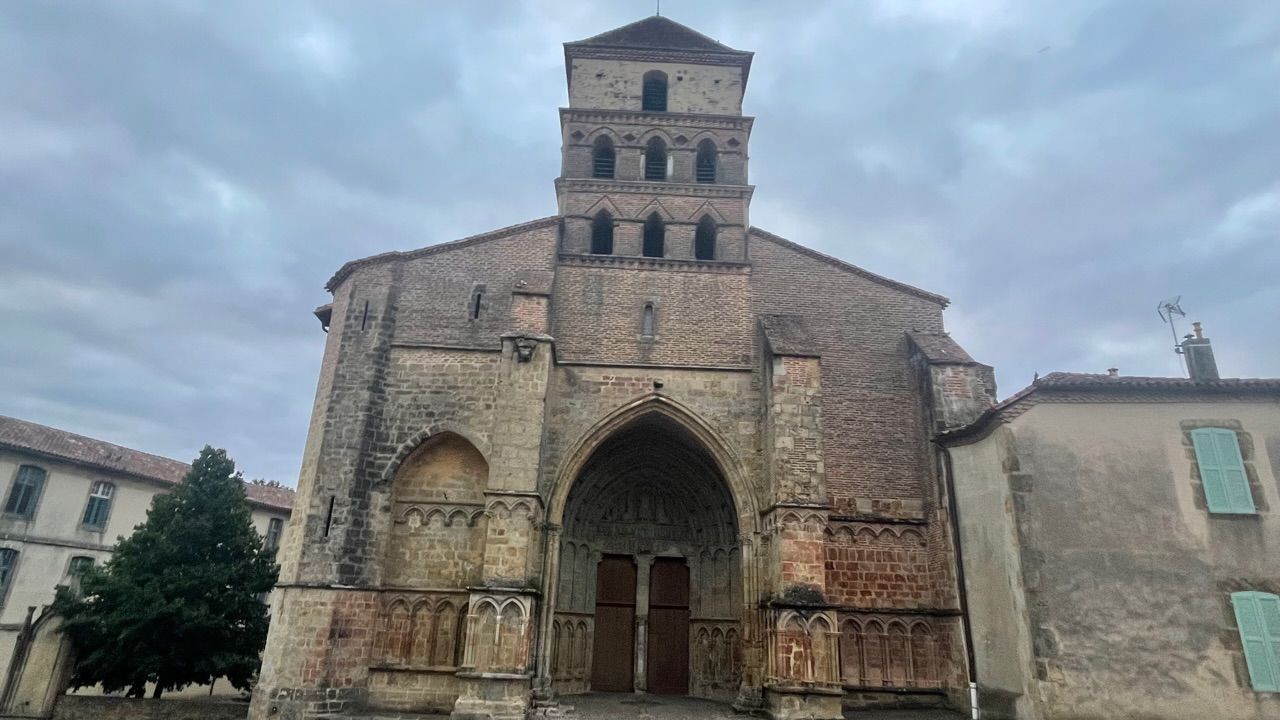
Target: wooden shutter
x: 1226, y: 486
x: 1258, y: 618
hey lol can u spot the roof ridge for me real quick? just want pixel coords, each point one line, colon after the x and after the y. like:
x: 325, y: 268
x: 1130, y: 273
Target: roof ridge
x: 832, y: 260
x: 351, y: 265
x: 99, y: 441
x: 1059, y: 384
x: 117, y: 457
x: 602, y: 39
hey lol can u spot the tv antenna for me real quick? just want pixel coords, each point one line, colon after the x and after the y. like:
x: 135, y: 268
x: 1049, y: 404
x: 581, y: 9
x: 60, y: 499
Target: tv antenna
x: 1169, y: 310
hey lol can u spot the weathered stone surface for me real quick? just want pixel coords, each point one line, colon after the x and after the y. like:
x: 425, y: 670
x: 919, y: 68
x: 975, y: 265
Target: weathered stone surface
x: 498, y: 414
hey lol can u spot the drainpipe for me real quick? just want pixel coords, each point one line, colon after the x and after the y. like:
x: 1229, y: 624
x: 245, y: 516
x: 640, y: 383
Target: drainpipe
x: 953, y: 513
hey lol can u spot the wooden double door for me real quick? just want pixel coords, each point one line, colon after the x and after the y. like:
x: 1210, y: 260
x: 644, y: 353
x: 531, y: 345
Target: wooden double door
x: 667, y: 649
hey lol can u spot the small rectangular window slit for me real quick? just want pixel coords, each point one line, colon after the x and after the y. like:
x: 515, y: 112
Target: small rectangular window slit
x: 328, y: 518
x: 364, y: 319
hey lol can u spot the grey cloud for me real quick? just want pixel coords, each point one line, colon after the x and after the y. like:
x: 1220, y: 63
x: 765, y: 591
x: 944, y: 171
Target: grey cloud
x: 177, y: 180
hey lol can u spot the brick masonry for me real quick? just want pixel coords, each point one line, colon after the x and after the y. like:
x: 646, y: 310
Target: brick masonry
x: 481, y: 401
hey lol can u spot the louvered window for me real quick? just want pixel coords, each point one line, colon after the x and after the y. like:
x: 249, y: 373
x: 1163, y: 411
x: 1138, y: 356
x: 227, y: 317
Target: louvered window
x: 647, y: 321
x: 706, y: 162
x: 1258, y: 619
x: 655, y: 91
x: 25, y: 493
x: 655, y: 160
x: 603, y: 158
x: 1226, y: 485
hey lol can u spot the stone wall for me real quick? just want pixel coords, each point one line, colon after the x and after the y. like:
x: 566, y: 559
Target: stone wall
x: 617, y: 85
x: 1101, y: 587
x: 700, y: 318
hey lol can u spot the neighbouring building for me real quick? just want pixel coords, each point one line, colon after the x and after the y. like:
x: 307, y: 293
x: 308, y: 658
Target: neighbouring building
x: 1120, y: 546
x: 67, y: 499
x: 638, y: 445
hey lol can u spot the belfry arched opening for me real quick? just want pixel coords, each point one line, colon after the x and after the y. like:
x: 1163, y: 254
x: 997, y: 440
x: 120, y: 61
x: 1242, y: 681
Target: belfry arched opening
x: 649, y: 592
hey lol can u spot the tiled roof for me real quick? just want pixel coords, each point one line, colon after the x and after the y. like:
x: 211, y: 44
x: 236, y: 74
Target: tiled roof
x: 30, y: 437
x: 1065, y: 387
x: 1099, y: 381
x: 655, y: 33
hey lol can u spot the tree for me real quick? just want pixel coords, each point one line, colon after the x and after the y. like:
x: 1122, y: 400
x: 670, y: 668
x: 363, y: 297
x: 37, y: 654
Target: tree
x: 179, y: 601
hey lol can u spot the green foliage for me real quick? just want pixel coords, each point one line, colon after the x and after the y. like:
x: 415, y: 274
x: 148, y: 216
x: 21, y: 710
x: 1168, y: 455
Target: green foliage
x: 178, y: 602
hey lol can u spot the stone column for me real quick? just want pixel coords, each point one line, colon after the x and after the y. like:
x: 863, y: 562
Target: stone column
x: 644, y: 564
x: 550, y: 598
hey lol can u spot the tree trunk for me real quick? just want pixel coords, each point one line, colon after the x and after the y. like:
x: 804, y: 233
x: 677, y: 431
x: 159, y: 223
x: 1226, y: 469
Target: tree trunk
x: 155, y: 694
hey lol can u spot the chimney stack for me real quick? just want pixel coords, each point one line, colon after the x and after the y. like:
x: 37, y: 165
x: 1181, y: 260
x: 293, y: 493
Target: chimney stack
x: 1199, y: 354
x: 1113, y: 372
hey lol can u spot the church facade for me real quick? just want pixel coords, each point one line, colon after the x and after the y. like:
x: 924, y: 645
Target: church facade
x: 638, y: 446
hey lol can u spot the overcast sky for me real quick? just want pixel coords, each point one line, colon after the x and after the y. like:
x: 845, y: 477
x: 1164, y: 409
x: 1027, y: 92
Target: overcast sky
x: 179, y: 179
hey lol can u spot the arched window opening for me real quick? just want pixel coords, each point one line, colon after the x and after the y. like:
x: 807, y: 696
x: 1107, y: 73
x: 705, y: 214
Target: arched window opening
x: 655, y: 160
x: 602, y: 234
x: 647, y: 321
x: 654, y: 237
x: 706, y: 162
x: 477, y: 302
x: 655, y: 91
x: 603, y: 158
x: 704, y: 239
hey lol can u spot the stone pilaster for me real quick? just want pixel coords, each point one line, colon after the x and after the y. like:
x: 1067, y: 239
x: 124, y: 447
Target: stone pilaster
x: 793, y: 454
x: 501, y: 627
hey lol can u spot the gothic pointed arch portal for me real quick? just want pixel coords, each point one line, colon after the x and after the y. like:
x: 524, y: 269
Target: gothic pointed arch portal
x: 650, y: 566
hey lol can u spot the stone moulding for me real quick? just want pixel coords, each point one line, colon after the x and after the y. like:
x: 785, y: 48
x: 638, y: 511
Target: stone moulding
x: 710, y: 190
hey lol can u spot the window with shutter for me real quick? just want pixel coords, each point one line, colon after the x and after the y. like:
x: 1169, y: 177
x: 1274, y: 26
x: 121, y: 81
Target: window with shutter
x: 1258, y: 619
x: 1226, y: 485
x: 8, y: 559
x: 25, y: 492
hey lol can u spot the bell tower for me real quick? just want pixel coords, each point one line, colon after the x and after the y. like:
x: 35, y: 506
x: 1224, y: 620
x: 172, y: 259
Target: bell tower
x: 655, y: 146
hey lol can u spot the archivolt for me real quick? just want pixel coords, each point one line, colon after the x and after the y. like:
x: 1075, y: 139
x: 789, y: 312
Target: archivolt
x: 745, y: 502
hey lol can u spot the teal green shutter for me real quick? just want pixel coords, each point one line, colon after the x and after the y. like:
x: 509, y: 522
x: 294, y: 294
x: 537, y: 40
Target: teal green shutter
x: 1258, y: 618
x: 1226, y: 486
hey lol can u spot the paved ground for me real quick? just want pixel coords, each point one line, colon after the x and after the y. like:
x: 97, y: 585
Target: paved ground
x: 608, y: 706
